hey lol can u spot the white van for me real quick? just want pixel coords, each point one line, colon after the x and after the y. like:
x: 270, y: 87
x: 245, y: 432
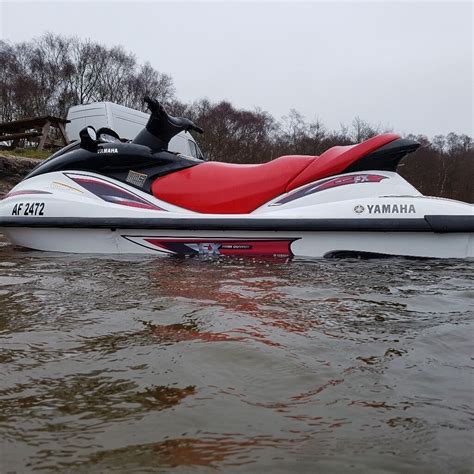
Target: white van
x: 125, y: 121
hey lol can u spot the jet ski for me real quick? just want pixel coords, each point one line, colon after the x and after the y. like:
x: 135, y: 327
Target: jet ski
x: 106, y: 195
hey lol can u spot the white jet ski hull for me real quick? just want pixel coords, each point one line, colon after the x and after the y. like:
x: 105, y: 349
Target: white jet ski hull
x: 51, y: 212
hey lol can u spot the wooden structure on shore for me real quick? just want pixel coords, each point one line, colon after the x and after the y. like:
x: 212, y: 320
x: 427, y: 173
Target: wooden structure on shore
x: 35, y: 129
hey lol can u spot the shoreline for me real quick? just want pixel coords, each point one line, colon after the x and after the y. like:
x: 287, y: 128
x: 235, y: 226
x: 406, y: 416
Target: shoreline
x: 13, y: 169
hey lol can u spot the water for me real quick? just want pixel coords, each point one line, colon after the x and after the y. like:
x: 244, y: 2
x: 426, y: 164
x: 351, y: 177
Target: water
x: 138, y: 364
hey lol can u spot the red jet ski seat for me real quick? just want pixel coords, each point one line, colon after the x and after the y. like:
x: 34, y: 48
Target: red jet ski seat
x: 224, y: 188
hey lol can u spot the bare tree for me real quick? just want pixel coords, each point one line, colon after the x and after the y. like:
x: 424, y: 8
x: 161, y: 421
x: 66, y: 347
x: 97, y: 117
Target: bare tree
x: 49, y: 74
x: 362, y: 130
x: 148, y: 81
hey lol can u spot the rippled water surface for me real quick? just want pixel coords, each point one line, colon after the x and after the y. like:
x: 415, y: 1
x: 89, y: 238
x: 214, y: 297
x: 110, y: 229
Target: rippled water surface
x: 139, y: 364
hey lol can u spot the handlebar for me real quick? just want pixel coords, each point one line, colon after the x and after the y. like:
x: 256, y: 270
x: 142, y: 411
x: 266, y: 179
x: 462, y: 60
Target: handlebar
x: 158, y: 111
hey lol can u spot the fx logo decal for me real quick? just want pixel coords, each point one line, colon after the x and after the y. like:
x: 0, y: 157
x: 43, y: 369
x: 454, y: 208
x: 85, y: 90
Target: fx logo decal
x: 206, y: 248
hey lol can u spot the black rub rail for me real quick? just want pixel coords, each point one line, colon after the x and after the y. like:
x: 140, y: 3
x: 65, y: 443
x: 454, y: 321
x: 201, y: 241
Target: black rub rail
x: 433, y: 223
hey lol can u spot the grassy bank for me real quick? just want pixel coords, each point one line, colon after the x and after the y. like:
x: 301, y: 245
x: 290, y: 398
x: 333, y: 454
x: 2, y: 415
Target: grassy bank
x: 27, y: 153
x: 15, y: 166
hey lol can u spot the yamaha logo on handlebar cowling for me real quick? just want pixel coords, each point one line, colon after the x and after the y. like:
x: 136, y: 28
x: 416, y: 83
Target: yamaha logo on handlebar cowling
x: 107, y: 150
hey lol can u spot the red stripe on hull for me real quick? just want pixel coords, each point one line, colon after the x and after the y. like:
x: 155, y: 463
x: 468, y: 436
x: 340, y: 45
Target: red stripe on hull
x: 228, y: 247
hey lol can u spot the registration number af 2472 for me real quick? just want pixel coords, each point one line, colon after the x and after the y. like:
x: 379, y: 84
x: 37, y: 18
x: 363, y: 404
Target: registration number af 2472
x: 28, y: 209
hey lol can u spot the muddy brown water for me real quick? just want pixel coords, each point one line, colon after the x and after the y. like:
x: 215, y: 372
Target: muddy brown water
x: 139, y: 364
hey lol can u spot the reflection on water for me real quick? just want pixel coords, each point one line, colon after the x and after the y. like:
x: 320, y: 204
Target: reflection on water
x: 142, y: 364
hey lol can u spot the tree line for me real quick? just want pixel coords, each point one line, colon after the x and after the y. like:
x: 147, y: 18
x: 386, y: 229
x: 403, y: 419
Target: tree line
x: 50, y: 74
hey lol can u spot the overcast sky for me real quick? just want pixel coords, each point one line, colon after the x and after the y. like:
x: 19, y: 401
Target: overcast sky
x: 408, y: 65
